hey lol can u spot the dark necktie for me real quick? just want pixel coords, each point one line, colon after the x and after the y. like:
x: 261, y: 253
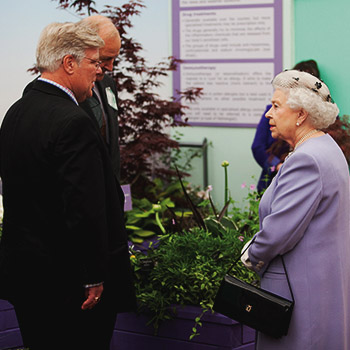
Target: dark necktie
x: 96, y: 108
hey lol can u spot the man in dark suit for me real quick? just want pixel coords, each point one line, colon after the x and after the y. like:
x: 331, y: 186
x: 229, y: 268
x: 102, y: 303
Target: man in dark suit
x: 104, y: 102
x: 64, y: 260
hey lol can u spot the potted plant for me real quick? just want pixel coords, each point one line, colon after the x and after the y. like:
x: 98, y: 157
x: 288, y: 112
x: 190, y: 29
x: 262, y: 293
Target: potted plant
x: 176, y: 281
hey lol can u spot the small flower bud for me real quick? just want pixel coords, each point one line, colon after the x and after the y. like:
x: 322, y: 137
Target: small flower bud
x: 156, y: 207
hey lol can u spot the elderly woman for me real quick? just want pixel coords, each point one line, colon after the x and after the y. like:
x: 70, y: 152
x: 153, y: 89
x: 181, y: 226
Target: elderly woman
x: 304, y: 216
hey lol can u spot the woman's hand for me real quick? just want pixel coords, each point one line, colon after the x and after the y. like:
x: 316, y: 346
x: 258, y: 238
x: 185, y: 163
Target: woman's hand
x: 245, y: 257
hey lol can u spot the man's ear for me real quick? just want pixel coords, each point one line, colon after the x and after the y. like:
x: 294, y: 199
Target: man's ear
x: 69, y: 63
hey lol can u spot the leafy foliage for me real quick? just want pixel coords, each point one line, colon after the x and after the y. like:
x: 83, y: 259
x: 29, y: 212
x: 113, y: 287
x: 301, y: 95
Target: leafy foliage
x: 188, y: 269
x: 247, y: 218
x: 188, y: 266
x: 79, y: 5
x: 141, y: 221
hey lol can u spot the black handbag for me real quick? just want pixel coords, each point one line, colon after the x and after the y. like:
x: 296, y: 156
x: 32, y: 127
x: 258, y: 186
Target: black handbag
x: 254, y: 307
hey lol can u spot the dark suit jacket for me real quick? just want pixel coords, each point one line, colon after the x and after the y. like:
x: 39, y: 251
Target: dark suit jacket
x: 112, y: 120
x: 63, y: 221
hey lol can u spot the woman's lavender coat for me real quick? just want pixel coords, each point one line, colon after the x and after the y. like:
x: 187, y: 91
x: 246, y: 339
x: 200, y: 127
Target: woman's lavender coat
x: 305, y: 215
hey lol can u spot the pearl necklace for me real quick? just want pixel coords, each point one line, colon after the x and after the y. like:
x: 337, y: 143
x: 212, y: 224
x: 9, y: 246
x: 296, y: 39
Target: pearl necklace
x: 305, y: 137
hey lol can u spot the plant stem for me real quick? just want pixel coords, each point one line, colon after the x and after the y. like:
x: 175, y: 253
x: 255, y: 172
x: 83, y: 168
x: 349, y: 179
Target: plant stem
x: 226, y: 186
x: 225, y: 164
x: 160, y: 223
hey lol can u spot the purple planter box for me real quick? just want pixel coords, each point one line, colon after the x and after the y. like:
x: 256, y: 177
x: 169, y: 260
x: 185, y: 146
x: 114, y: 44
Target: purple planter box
x: 10, y: 335
x: 217, y: 332
x: 131, y: 332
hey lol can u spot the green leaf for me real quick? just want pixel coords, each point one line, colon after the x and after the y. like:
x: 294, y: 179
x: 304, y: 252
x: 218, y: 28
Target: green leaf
x: 145, y: 214
x: 229, y: 223
x: 144, y: 233
x: 136, y: 240
x: 214, y: 226
x: 167, y: 202
x: 131, y: 227
x: 184, y: 214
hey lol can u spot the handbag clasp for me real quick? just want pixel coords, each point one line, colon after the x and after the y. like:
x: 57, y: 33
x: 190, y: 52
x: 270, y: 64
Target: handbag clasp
x: 248, y: 308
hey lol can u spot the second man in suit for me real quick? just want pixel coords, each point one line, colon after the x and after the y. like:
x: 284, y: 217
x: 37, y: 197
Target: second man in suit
x: 104, y: 102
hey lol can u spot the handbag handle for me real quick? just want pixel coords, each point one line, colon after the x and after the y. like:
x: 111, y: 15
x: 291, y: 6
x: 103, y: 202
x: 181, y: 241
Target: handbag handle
x: 284, y: 266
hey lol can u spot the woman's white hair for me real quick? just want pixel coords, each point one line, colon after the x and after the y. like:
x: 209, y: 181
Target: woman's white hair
x: 60, y: 39
x: 307, y: 92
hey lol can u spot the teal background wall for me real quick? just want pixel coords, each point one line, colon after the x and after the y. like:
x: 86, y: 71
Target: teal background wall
x: 322, y: 32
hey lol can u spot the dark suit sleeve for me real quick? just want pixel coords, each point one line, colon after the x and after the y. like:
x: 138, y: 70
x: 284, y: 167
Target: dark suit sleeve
x: 81, y: 175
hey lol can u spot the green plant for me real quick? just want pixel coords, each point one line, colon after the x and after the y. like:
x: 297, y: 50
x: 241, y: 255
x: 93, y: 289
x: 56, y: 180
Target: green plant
x: 247, y: 216
x: 187, y: 267
x: 143, y: 221
x: 187, y: 270
x: 225, y: 164
x: 173, y: 215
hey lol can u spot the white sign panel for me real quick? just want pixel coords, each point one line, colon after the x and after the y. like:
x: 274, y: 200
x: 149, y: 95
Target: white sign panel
x: 201, y: 3
x: 232, y: 92
x: 227, y: 34
x: 231, y: 49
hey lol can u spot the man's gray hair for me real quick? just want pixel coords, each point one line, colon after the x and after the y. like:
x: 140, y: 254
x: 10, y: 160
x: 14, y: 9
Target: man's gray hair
x: 103, y: 25
x: 60, y: 39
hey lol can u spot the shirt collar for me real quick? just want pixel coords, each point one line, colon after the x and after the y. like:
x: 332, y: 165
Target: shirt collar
x: 63, y: 88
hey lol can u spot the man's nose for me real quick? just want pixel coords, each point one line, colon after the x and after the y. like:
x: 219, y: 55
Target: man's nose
x: 108, y: 65
x: 99, y: 70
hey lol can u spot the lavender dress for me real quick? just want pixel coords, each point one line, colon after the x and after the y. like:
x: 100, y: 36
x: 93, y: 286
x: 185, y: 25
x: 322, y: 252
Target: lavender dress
x: 305, y: 215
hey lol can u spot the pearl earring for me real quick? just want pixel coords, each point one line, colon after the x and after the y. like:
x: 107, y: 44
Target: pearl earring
x: 298, y: 124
